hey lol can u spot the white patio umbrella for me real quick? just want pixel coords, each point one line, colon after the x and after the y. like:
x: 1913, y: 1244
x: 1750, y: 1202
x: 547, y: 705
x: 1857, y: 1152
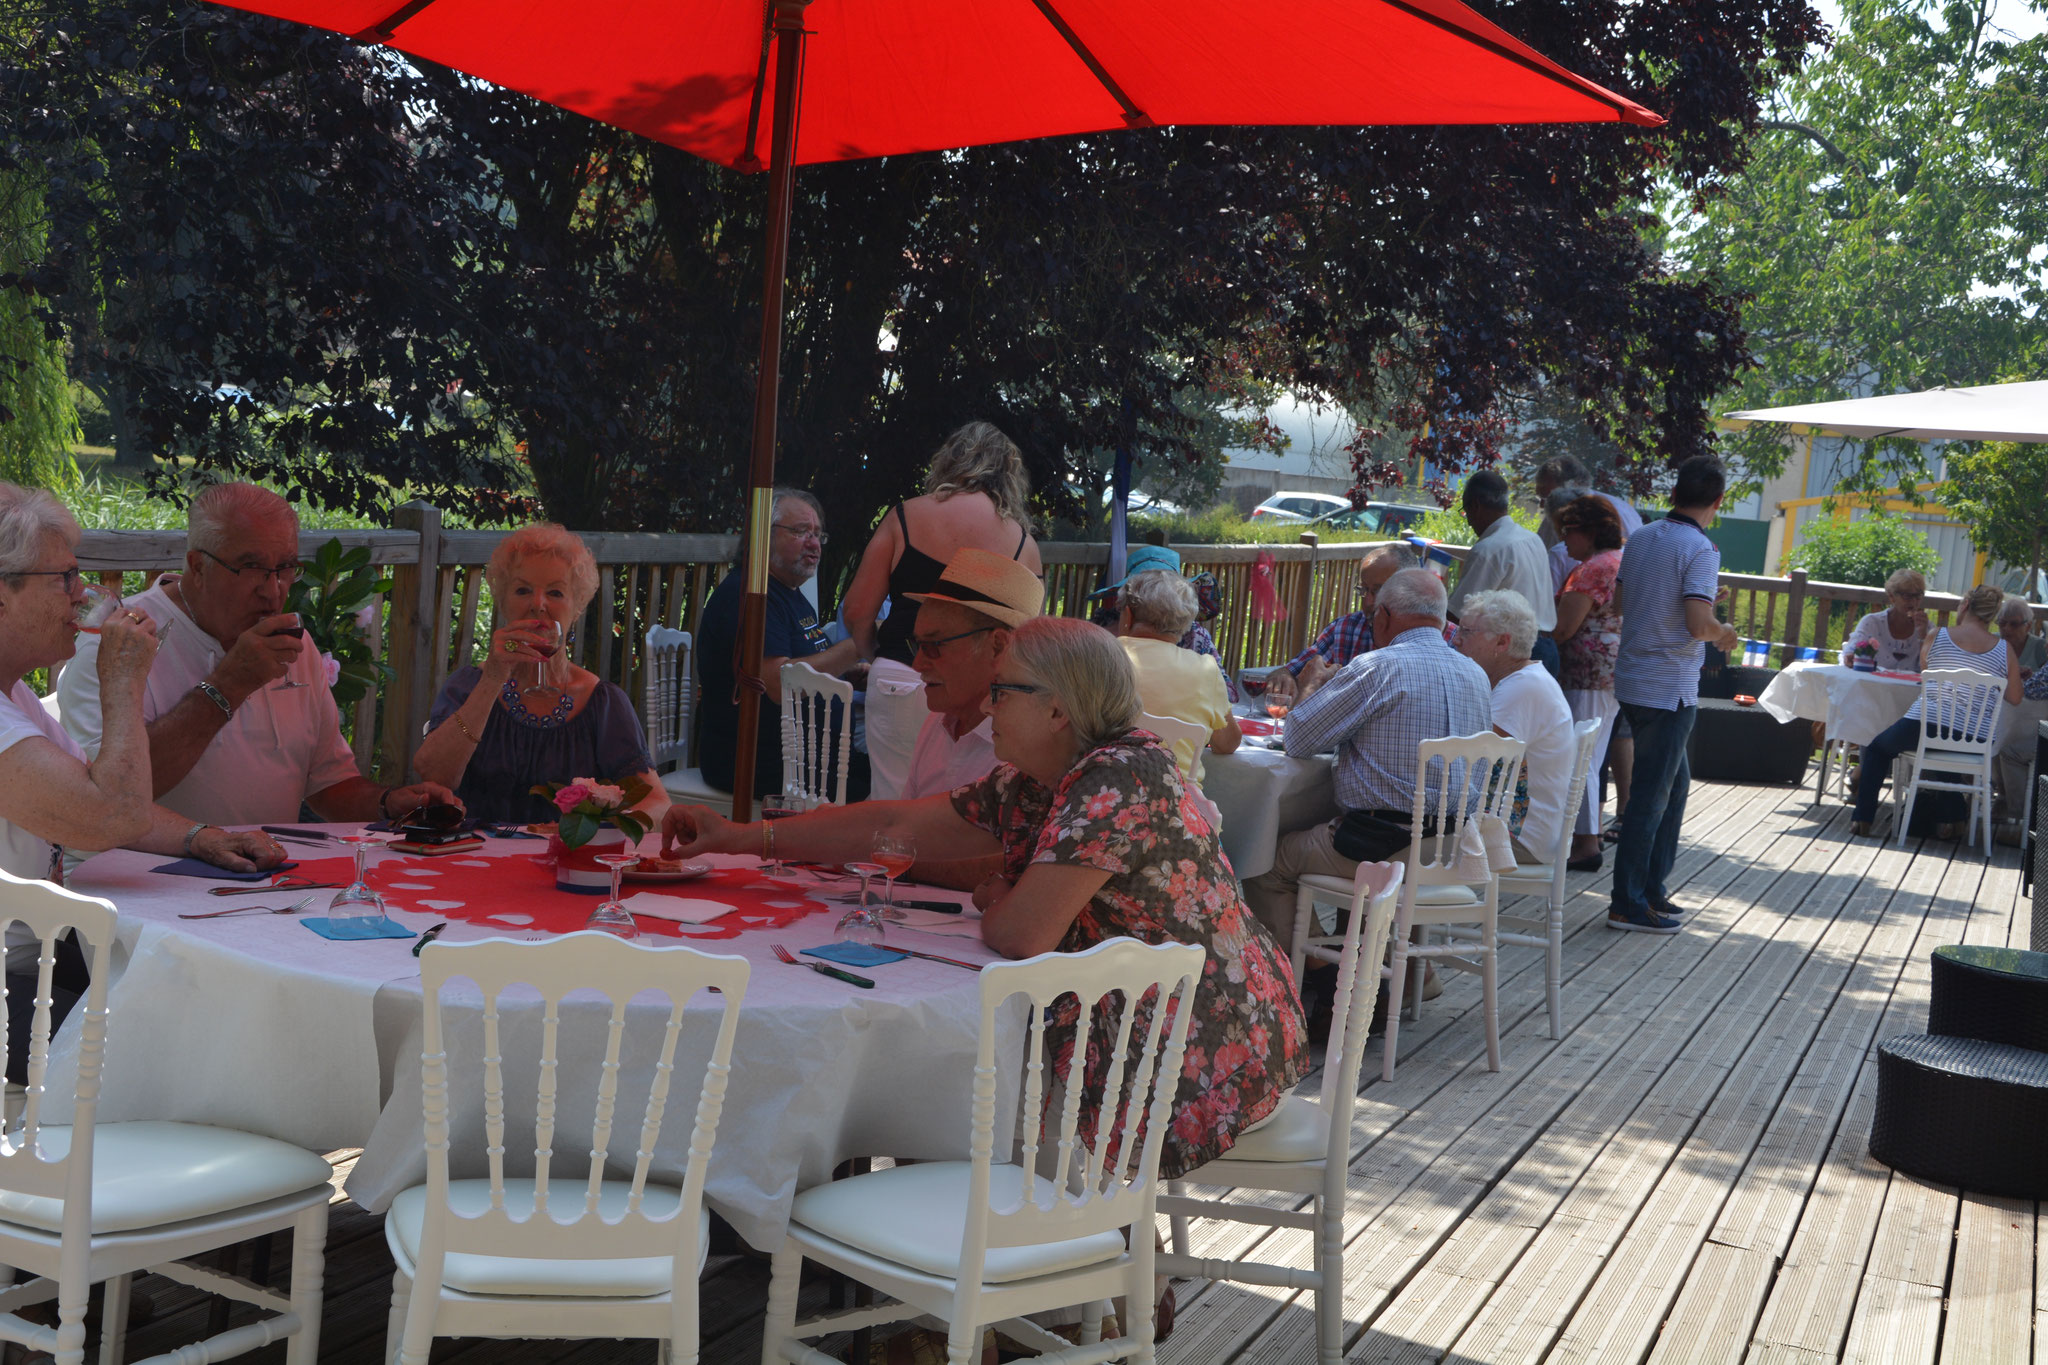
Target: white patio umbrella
x: 1981, y: 412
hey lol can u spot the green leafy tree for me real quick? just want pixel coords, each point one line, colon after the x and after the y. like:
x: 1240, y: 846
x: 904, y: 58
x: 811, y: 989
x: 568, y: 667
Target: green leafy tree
x: 1865, y: 551
x: 1889, y: 230
x: 2000, y: 491
x: 38, y: 421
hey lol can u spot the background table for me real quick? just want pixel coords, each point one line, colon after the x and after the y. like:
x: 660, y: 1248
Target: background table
x: 1856, y: 707
x: 1264, y: 794
x: 255, y: 1022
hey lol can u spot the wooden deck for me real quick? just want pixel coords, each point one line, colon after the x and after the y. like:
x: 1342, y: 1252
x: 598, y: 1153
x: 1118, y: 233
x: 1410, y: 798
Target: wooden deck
x: 1681, y: 1178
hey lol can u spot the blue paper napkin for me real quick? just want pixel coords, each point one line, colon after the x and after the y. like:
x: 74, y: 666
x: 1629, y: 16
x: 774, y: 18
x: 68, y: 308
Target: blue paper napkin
x: 855, y: 954
x: 358, y: 929
x: 193, y: 867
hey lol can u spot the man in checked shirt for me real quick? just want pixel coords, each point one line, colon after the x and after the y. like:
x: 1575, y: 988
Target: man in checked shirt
x: 1345, y: 638
x: 1374, y: 712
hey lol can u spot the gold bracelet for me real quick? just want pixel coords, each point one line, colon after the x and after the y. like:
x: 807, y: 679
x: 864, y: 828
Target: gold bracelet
x: 464, y: 728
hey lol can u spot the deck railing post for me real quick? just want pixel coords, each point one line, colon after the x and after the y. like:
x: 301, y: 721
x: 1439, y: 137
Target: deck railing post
x: 1299, y: 630
x: 415, y: 606
x: 1795, y: 614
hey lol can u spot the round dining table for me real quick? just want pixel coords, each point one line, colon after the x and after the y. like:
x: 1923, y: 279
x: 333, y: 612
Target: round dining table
x: 253, y: 1021
x: 1262, y: 792
x: 1855, y: 706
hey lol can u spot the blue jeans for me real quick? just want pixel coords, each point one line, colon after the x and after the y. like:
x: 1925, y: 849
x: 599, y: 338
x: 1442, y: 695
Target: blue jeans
x: 1545, y: 652
x: 1875, y: 764
x: 1656, y: 806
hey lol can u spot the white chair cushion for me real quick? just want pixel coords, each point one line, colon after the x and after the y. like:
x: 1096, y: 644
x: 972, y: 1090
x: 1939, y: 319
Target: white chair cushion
x: 687, y: 785
x: 148, y: 1175
x: 637, y: 1277
x: 916, y: 1215
x: 1445, y: 895
x: 1297, y: 1130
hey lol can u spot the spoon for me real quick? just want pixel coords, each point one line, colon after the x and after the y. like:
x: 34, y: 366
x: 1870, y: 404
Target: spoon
x: 291, y: 909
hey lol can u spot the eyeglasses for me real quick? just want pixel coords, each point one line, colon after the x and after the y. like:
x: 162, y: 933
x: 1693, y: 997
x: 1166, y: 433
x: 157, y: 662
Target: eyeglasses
x: 932, y: 647
x: 996, y: 690
x: 285, y: 574
x: 802, y: 532
x: 70, y: 576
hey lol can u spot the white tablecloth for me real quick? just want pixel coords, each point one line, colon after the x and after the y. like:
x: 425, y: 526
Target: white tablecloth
x: 1264, y: 794
x: 254, y: 1022
x: 1856, y: 707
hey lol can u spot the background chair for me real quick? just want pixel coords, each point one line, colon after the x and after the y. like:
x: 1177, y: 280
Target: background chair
x: 668, y: 710
x: 817, y: 733
x: 1176, y: 733
x: 85, y: 1202
x: 495, y: 1257
x: 981, y: 1241
x: 1304, y: 1147
x: 1959, y: 715
x: 1547, y: 880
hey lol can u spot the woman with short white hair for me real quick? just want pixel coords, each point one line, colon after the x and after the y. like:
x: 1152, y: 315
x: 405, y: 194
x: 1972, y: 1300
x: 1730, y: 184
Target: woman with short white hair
x: 1899, y: 632
x: 1154, y: 610
x: 1496, y: 630
x: 1099, y: 838
x: 51, y: 798
x: 526, y: 714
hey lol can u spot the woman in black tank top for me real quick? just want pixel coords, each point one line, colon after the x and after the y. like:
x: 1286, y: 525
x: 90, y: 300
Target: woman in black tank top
x: 918, y: 572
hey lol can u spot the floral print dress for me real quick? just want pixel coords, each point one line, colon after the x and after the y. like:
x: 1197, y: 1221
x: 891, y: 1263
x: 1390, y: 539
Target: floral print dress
x: 1586, y: 660
x: 1124, y: 809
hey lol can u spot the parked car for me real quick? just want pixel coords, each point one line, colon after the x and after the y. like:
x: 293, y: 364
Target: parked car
x: 1382, y: 518
x: 1289, y: 506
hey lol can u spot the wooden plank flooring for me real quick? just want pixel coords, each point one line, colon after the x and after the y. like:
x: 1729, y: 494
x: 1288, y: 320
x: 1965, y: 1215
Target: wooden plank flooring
x: 1682, y: 1177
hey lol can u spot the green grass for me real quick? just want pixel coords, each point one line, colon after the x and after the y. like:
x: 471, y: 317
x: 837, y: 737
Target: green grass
x: 1223, y: 526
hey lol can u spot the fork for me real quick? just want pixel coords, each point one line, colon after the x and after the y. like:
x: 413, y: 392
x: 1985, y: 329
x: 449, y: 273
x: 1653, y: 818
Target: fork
x: 291, y: 909
x: 821, y: 969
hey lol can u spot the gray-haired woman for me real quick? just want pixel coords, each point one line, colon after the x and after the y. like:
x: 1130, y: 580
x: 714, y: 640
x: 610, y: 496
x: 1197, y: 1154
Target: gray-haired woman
x: 51, y: 797
x: 491, y: 738
x: 1899, y: 632
x: 1098, y: 838
x: 976, y: 496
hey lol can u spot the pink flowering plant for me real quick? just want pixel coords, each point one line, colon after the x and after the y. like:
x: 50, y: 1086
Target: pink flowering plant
x: 588, y: 805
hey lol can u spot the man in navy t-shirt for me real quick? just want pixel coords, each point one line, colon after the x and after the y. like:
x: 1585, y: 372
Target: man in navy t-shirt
x: 796, y: 541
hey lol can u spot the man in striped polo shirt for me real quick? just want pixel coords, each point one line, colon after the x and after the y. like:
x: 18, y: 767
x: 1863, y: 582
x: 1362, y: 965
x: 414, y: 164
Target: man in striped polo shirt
x: 1670, y: 576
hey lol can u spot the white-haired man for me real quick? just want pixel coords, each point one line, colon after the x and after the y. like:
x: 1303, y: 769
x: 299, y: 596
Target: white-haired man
x: 1374, y: 712
x: 1497, y: 632
x: 243, y: 729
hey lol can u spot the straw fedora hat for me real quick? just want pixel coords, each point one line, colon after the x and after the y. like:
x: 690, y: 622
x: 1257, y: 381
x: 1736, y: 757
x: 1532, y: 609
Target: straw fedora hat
x: 990, y: 584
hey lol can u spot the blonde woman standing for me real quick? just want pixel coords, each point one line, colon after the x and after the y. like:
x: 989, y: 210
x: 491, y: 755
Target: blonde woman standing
x: 976, y: 496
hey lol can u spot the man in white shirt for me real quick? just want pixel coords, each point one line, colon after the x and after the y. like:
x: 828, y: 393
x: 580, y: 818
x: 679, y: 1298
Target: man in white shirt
x: 242, y: 726
x: 1528, y: 705
x: 1506, y: 556
x: 963, y: 629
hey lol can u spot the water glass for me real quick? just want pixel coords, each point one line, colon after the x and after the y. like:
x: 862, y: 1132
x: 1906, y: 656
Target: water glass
x: 612, y: 917
x: 95, y: 607
x: 356, y: 910
x: 864, y: 923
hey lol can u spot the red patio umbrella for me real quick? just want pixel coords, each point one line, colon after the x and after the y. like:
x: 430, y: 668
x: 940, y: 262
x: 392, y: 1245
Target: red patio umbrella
x: 887, y: 77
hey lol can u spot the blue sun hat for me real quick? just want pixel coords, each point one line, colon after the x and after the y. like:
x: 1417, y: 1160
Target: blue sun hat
x: 1142, y: 559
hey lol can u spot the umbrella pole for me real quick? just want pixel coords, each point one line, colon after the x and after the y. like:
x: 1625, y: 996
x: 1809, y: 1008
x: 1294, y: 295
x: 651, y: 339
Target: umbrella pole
x: 789, y: 39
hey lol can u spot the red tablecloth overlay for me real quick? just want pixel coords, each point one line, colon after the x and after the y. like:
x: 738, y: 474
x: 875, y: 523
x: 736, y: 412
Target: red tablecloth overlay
x: 492, y: 891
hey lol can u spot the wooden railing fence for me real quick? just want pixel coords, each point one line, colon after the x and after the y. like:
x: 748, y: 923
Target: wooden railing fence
x: 438, y: 609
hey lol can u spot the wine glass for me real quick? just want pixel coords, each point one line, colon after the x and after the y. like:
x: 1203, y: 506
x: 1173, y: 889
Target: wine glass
x: 1278, y: 711
x: 547, y: 646
x: 897, y: 854
x: 612, y: 917
x: 356, y: 910
x: 864, y: 924
x: 775, y: 808
x: 95, y: 607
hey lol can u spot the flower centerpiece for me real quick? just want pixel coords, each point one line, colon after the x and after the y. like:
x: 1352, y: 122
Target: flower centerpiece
x: 1863, y: 658
x: 595, y: 816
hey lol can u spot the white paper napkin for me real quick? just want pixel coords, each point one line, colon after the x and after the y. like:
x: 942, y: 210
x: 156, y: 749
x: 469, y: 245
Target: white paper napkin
x: 682, y: 909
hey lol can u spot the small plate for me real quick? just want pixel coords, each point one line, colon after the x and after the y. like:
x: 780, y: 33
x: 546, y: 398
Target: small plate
x: 645, y: 872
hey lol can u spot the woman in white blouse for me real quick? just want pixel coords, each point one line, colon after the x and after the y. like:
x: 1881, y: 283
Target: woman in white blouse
x: 1900, y: 630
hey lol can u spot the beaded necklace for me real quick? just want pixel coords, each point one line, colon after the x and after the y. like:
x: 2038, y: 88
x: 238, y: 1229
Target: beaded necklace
x: 515, y: 705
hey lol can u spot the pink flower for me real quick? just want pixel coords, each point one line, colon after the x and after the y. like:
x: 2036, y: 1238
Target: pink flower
x: 603, y: 793
x: 567, y: 797
x: 332, y: 666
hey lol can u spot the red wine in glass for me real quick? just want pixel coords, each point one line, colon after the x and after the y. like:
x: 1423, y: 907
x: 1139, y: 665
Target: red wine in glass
x: 546, y: 646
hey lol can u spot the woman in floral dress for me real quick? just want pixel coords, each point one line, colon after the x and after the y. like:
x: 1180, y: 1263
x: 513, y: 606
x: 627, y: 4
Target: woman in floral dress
x: 1099, y: 840
x: 1588, y: 633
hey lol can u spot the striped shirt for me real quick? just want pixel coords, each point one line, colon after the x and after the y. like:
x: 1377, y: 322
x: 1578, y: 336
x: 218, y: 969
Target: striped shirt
x: 1945, y: 653
x: 1379, y: 707
x: 1665, y: 565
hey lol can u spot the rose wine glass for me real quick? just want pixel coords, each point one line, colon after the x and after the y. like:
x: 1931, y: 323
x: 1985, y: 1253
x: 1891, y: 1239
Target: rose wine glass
x: 864, y: 924
x: 356, y: 908
x: 612, y: 917
x: 896, y: 854
x: 547, y: 646
x: 95, y: 607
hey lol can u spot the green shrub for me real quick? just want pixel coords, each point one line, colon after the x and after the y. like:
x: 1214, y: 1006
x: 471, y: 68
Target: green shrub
x: 1449, y: 524
x: 1864, y: 552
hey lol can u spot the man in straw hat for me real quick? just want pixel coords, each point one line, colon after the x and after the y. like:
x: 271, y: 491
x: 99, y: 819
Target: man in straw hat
x: 963, y: 629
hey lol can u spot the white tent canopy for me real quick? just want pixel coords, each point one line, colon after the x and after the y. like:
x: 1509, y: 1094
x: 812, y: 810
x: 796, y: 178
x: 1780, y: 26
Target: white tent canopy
x: 1983, y: 412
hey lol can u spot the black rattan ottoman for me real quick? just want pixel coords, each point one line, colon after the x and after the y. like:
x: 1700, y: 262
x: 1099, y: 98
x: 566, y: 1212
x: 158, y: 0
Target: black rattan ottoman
x: 1964, y: 1112
x: 1997, y: 994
